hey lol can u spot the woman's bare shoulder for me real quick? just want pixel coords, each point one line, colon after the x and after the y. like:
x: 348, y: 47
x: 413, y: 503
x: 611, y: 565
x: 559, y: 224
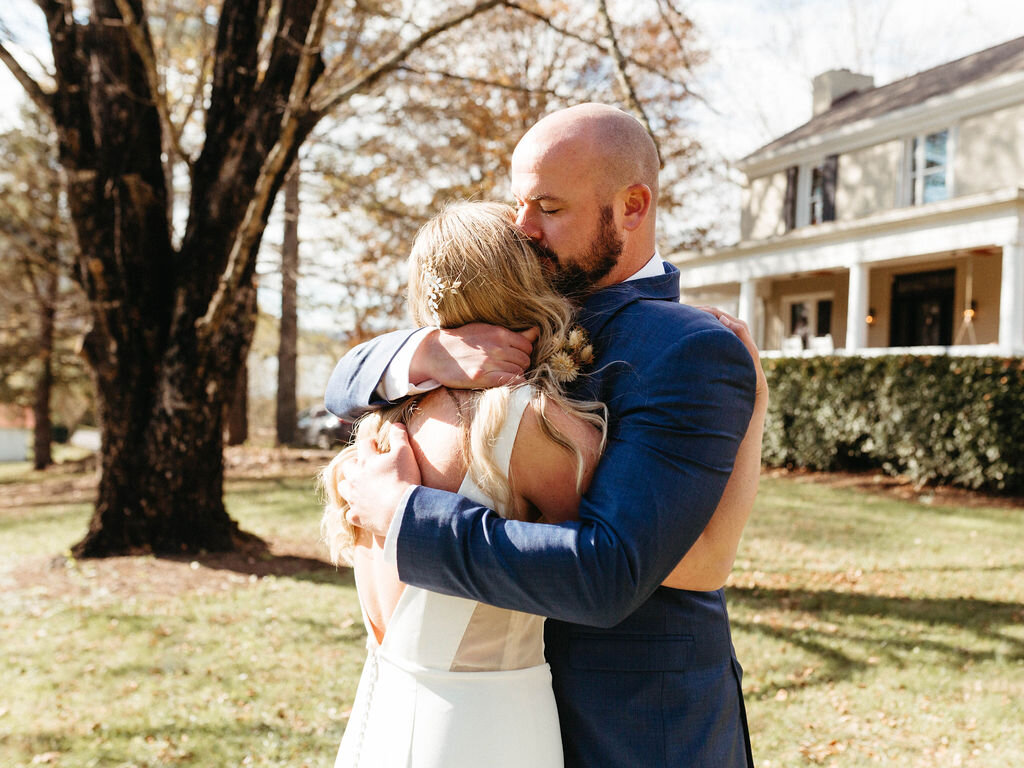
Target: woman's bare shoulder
x: 543, y: 472
x: 436, y: 435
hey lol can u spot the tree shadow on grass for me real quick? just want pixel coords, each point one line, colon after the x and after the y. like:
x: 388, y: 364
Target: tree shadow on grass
x: 173, y: 574
x: 851, y: 632
x: 261, y: 563
x: 961, y: 612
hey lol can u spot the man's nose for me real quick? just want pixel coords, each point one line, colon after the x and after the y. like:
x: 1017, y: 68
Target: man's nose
x: 528, y: 224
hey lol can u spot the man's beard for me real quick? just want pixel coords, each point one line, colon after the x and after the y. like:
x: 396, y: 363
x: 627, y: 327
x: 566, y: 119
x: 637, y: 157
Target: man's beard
x: 577, y: 279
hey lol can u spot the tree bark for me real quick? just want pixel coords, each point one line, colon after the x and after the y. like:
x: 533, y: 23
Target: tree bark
x: 161, y: 392
x: 43, y: 427
x: 238, y: 410
x: 161, y: 485
x: 287, y: 352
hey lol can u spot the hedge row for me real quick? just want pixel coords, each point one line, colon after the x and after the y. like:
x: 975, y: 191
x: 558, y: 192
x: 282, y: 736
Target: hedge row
x: 952, y: 420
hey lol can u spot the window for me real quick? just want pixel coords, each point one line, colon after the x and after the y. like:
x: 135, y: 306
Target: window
x: 823, y: 326
x: 817, y: 197
x: 811, y: 193
x: 789, y: 204
x: 808, y: 317
x: 929, y: 177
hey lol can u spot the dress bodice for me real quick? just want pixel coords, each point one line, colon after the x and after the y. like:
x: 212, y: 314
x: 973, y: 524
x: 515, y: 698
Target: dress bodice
x: 429, y: 630
x: 456, y: 683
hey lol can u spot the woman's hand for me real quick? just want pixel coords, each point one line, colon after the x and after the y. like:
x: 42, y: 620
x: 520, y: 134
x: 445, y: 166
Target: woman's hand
x: 742, y: 332
x: 376, y: 481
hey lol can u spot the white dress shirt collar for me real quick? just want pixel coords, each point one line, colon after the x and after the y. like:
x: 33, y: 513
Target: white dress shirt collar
x: 653, y: 268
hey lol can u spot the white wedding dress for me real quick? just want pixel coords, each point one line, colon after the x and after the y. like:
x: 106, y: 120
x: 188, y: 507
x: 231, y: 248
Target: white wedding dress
x: 456, y: 683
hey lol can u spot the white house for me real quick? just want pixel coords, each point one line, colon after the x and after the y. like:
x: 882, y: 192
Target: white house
x: 893, y: 219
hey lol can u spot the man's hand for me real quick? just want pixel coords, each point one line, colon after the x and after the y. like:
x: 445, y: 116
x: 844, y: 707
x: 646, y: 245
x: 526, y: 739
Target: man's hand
x: 474, y: 356
x: 374, y: 482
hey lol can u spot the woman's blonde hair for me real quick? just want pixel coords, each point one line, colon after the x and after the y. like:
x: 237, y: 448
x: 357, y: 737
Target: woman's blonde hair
x: 470, y: 263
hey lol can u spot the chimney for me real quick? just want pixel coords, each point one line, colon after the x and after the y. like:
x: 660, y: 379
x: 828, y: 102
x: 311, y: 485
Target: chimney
x: 831, y: 86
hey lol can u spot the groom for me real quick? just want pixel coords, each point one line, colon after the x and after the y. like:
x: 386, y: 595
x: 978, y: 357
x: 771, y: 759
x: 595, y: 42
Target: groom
x: 643, y: 675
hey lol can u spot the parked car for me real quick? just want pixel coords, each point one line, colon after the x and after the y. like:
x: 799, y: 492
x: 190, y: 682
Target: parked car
x: 317, y: 426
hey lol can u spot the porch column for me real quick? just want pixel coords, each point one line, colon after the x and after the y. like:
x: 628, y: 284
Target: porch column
x: 1011, y: 300
x: 747, y: 309
x: 857, y: 309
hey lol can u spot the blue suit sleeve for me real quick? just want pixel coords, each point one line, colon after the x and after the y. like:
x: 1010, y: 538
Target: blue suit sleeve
x: 671, y: 448
x: 352, y: 388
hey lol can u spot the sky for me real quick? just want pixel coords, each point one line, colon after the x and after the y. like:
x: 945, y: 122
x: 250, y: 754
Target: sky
x: 756, y: 85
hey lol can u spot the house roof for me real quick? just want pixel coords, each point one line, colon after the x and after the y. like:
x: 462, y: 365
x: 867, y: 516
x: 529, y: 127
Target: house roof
x: 946, y: 78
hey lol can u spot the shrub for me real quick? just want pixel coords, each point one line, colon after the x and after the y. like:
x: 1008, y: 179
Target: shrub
x: 956, y: 420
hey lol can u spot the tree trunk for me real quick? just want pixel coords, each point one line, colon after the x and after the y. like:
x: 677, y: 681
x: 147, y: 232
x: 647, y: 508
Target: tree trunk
x: 160, y: 488
x: 161, y: 458
x: 287, y: 352
x: 171, y: 324
x: 238, y: 411
x: 43, y: 429
x: 161, y: 385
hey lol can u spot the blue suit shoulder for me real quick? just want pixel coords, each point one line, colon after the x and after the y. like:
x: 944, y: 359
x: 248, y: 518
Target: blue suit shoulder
x: 651, y: 330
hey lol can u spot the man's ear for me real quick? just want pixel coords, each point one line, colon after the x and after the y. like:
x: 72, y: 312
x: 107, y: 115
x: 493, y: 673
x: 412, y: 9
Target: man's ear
x: 636, y: 203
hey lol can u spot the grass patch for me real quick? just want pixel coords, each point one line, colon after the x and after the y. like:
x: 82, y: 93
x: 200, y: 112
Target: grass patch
x: 152, y: 662
x: 873, y: 631
x: 876, y: 631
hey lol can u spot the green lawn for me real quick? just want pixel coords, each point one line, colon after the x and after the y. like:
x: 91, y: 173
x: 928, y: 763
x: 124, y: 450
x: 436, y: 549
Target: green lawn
x: 880, y: 632
x: 872, y: 632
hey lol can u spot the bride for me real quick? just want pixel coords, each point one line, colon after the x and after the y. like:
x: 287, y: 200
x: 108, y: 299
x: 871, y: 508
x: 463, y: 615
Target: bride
x: 451, y: 682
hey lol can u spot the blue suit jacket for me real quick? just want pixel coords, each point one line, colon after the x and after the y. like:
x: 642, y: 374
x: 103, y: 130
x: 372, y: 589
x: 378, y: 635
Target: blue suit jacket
x: 644, y: 675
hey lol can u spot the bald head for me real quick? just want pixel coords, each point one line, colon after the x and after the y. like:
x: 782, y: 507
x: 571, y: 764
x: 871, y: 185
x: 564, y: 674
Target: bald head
x: 585, y: 180
x: 610, y: 143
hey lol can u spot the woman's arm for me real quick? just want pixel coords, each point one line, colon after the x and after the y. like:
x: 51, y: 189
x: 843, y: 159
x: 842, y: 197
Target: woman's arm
x: 708, y: 563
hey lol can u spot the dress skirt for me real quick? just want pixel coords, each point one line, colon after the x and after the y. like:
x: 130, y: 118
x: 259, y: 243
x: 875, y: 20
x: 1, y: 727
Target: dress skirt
x: 408, y: 717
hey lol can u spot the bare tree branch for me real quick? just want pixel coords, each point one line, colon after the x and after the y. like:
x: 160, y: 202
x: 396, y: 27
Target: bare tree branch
x: 623, y: 77
x: 369, y: 79
x: 546, y: 21
x: 346, y: 57
x: 30, y: 260
x: 376, y: 10
x: 664, y: 9
x: 197, y: 96
x: 39, y: 97
x: 30, y: 274
x: 144, y: 50
x: 251, y: 228
x: 479, y: 81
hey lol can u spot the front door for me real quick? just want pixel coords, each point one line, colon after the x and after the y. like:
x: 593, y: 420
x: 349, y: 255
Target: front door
x: 922, y: 309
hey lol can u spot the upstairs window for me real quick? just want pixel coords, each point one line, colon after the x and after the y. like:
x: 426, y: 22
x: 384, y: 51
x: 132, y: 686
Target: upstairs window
x: 929, y: 168
x: 816, y: 200
x: 811, y: 193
